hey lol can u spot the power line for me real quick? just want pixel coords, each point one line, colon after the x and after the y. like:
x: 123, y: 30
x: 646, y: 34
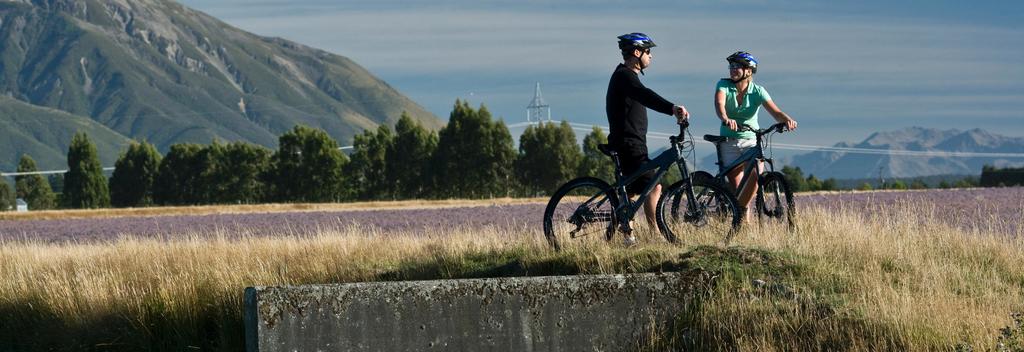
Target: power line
x: 818, y: 148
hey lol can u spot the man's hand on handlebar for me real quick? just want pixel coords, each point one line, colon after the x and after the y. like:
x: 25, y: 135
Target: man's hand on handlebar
x: 680, y: 113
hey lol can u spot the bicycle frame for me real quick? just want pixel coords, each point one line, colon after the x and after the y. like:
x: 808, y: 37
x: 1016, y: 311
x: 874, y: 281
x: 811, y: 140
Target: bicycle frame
x: 753, y: 154
x: 752, y: 157
x: 628, y: 208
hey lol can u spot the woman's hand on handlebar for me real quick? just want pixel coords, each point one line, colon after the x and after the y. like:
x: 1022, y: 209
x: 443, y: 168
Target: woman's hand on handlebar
x: 790, y: 124
x: 731, y: 124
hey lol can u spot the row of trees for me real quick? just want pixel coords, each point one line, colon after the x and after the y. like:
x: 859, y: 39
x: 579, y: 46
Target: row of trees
x: 992, y: 176
x: 799, y: 183
x: 472, y: 157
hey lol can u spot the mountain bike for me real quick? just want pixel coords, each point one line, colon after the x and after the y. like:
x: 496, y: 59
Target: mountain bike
x: 774, y: 197
x: 589, y: 209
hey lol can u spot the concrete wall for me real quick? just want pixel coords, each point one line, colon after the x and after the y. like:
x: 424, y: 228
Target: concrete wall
x: 558, y: 313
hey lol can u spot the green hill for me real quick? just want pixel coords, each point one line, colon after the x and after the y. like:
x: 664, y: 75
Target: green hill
x: 45, y: 133
x: 157, y: 70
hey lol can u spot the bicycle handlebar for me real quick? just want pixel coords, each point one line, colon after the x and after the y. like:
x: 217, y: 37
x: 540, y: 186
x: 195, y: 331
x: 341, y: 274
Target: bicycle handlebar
x: 778, y: 127
x: 682, y: 132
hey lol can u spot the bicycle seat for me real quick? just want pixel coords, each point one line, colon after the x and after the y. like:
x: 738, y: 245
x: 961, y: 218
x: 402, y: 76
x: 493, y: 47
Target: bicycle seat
x: 714, y: 139
x: 607, y: 149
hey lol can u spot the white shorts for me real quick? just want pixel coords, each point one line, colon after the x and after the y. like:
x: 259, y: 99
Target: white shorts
x: 732, y: 149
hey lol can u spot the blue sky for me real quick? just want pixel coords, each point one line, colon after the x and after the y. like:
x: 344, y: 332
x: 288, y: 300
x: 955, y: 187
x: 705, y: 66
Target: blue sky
x: 842, y: 70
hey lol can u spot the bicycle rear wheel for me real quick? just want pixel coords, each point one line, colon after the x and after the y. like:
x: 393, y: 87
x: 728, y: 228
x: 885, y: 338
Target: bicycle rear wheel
x: 713, y: 209
x: 778, y: 204
x: 581, y: 211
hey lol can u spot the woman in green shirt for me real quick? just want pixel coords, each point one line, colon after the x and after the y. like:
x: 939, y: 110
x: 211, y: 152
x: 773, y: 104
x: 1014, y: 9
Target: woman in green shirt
x: 737, y: 100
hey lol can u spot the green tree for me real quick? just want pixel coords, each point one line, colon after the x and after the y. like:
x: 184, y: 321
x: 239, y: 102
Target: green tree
x: 795, y: 176
x: 813, y: 184
x: 34, y: 189
x: 594, y: 162
x: 898, y: 184
x: 367, y: 168
x: 992, y: 176
x: 57, y: 185
x: 131, y: 185
x: 865, y: 187
x: 84, y: 185
x: 830, y: 184
x: 918, y: 184
x: 407, y: 163
x: 6, y: 196
x: 474, y: 155
x: 177, y: 178
x: 966, y: 182
x: 232, y: 173
x: 307, y: 167
x: 548, y: 157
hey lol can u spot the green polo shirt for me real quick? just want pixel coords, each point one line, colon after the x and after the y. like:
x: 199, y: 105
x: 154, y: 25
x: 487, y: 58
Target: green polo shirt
x: 745, y: 114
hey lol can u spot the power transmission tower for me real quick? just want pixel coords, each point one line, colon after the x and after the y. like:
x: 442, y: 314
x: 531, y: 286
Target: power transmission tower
x: 538, y: 109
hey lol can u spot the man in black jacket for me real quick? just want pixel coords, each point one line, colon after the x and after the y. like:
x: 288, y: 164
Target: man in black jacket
x: 626, y: 105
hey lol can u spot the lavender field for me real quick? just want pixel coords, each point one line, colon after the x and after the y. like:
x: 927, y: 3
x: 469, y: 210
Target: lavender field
x: 999, y: 210
x: 994, y: 210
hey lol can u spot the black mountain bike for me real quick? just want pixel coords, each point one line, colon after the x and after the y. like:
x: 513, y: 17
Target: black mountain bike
x: 774, y: 197
x: 589, y: 209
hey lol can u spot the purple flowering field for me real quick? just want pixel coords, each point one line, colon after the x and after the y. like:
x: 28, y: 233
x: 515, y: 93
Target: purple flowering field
x: 993, y: 209
x: 297, y: 223
x: 999, y: 210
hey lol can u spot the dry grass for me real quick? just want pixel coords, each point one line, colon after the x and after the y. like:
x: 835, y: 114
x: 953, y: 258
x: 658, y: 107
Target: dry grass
x: 261, y: 208
x: 873, y: 282
x: 842, y: 281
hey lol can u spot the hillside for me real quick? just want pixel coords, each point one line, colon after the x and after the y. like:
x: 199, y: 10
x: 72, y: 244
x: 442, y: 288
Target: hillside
x: 157, y: 70
x: 45, y: 134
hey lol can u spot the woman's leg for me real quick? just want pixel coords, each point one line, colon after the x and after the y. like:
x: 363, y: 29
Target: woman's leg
x: 745, y: 196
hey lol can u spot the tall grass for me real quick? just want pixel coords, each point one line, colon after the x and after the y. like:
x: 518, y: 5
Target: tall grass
x: 897, y: 280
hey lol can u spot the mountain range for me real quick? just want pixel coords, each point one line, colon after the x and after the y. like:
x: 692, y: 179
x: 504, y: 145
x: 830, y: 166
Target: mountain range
x: 158, y: 71
x: 909, y: 152
x: 845, y: 165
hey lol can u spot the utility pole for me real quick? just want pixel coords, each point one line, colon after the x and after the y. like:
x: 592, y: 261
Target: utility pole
x: 538, y: 110
x: 881, y: 180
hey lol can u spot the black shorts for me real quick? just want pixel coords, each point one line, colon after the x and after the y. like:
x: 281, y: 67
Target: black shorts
x: 631, y: 160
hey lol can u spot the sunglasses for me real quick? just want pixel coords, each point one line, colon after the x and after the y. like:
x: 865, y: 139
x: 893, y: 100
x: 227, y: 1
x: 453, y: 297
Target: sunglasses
x: 736, y: 67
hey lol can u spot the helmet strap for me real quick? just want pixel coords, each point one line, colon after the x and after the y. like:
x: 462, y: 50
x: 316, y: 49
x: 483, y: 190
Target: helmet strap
x: 637, y: 61
x: 640, y: 61
x: 745, y: 76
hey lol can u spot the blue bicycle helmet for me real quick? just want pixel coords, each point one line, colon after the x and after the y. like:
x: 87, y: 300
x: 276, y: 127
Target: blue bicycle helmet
x: 635, y: 41
x: 743, y: 58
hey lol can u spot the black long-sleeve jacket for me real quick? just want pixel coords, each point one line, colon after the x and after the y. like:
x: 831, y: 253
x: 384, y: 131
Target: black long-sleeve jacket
x: 625, y: 105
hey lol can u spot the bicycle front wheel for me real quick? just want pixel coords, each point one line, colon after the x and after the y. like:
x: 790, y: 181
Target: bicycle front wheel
x: 778, y: 204
x: 581, y: 211
x: 713, y: 211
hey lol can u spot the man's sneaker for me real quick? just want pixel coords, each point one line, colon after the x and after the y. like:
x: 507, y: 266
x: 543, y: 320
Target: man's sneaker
x: 630, y: 241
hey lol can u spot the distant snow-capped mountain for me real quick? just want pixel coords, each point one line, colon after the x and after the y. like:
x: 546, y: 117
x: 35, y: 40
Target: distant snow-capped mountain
x: 857, y: 165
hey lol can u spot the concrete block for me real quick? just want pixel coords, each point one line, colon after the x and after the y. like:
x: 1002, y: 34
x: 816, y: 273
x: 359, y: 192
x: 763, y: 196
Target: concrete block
x: 556, y: 313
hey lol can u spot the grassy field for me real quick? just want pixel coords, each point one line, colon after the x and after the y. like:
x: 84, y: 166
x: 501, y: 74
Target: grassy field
x: 845, y: 281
